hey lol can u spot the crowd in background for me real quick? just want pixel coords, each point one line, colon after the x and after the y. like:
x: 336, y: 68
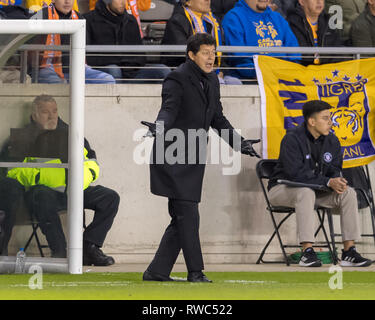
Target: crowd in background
x: 272, y: 23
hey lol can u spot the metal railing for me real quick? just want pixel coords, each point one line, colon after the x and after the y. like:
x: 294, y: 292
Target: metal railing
x: 170, y: 51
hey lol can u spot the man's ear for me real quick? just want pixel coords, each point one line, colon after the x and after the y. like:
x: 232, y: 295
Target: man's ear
x: 33, y: 116
x: 191, y: 55
x: 311, y: 121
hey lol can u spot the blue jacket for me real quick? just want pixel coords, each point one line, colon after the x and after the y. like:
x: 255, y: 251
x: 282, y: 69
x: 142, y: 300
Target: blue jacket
x: 10, y: 3
x: 245, y: 27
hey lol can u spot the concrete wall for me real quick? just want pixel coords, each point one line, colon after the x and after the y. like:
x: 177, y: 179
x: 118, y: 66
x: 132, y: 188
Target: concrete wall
x: 234, y: 222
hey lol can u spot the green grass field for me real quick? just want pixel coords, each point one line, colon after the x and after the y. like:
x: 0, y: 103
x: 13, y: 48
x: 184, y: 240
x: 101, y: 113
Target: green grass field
x: 226, y: 286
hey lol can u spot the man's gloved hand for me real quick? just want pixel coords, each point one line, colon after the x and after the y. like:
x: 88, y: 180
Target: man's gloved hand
x: 154, y: 128
x: 247, y: 147
x: 151, y: 128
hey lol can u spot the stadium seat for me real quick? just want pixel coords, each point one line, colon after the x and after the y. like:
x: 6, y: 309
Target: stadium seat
x: 154, y: 21
x: 264, y: 169
x: 159, y: 11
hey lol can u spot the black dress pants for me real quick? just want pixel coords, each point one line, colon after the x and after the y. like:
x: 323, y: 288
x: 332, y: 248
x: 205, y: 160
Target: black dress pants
x: 182, y: 233
x: 45, y: 203
x: 105, y: 203
x: 11, y: 197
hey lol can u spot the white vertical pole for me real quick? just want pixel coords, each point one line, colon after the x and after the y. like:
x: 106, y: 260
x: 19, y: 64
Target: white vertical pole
x: 76, y: 145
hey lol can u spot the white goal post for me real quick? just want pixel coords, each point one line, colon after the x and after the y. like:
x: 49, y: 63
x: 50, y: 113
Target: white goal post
x: 77, y: 30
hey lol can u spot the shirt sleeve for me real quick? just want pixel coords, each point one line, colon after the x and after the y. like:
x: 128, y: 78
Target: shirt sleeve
x: 172, y: 94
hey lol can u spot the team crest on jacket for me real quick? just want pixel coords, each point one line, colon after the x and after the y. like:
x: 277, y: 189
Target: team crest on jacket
x: 267, y: 33
x: 327, y: 157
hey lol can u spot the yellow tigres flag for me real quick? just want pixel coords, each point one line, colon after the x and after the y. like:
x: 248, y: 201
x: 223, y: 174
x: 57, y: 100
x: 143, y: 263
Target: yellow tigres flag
x: 349, y: 87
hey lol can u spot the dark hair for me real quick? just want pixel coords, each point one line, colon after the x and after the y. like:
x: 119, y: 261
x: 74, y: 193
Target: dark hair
x: 195, y: 41
x: 314, y: 106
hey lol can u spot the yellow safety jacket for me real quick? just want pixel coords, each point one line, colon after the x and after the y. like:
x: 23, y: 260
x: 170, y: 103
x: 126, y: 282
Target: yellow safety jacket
x: 55, y: 178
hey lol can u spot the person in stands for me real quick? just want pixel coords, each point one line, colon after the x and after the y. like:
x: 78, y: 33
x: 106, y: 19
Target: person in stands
x: 54, y: 66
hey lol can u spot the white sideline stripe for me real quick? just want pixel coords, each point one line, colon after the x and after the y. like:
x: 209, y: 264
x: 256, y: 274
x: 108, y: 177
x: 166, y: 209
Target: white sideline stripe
x: 81, y: 284
x: 249, y: 281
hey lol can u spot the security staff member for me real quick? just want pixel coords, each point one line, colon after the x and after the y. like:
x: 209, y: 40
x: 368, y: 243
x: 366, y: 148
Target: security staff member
x: 190, y: 100
x: 46, y: 187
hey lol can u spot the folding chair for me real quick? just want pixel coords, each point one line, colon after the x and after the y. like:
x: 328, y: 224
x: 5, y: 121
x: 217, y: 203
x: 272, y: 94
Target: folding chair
x: 24, y: 218
x: 154, y: 21
x: 34, y: 234
x: 264, y: 170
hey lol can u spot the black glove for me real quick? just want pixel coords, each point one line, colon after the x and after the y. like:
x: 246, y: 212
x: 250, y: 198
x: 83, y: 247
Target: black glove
x: 151, y: 128
x: 154, y: 128
x: 247, y: 147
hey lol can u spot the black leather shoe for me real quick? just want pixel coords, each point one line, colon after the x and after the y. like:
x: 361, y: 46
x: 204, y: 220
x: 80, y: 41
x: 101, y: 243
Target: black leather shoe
x: 150, y: 276
x: 92, y: 255
x: 198, y: 276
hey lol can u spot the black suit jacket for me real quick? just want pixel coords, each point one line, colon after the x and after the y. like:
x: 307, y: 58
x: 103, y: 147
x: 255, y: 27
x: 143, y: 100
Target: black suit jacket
x: 187, y: 104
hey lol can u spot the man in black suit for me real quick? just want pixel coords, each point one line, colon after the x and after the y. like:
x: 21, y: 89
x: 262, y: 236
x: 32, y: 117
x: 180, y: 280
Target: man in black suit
x: 190, y: 100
